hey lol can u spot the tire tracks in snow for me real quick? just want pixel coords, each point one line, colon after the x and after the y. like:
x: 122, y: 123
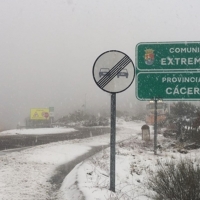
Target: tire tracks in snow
x: 62, y: 171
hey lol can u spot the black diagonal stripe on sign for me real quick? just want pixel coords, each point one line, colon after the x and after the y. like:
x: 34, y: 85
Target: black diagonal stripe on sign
x: 114, y: 71
x: 106, y: 76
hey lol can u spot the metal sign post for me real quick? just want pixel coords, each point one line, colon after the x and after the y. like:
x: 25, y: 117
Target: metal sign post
x: 155, y: 127
x: 112, y: 142
x: 113, y: 72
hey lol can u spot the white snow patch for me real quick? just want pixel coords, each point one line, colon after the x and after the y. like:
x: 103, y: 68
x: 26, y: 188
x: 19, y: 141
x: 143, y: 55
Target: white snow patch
x: 38, y: 131
x: 25, y: 174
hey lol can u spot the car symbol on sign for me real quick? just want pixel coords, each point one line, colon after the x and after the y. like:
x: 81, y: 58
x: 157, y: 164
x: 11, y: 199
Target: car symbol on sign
x: 123, y: 72
x: 103, y: 72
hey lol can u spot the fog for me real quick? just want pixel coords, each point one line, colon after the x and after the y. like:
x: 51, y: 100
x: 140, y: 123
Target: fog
x: 48, y: 48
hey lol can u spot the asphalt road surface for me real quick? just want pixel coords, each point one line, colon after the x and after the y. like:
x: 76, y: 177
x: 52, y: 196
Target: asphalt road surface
x: 19, y: 141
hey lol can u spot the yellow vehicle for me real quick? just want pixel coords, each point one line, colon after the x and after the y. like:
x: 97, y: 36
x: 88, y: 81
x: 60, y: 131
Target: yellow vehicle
x: 162, y: 111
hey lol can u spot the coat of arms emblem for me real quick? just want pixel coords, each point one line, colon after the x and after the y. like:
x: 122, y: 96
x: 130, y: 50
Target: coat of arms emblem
x: 149, y: 56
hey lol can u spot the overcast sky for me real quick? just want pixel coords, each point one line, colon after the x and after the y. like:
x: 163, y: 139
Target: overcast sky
x: 48, y: 48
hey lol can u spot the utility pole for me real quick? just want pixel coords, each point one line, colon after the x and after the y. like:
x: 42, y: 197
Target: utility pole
x: 155, y: 126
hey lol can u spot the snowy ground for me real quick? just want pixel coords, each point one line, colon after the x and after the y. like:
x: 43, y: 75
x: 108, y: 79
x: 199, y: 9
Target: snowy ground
x: 39, y: 131
x: 25, y: 175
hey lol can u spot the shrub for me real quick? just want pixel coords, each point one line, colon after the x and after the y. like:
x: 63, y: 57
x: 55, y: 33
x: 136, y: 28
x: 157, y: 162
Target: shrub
x: 176, y: 180
x: 96, y: 121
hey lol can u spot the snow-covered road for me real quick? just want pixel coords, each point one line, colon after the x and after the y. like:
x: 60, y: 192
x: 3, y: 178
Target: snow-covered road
x: 27, y: 174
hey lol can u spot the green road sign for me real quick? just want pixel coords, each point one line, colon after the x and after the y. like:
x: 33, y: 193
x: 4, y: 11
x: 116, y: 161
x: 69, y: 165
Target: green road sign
x: 168, y: 85
x: 51, y: 109
x: 171, y: 56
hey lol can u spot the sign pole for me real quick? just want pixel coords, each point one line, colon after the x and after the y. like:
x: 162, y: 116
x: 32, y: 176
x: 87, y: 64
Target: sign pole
x: 113, y: 72
x: 155, y: 127
x: 112, y: 142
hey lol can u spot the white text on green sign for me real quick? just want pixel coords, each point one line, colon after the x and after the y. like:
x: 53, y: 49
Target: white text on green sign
x: 168, y: 56
x: 168, y: 86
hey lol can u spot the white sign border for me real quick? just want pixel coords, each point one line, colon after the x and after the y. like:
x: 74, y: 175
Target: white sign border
x: 134, y: 71
x: 149, y: 99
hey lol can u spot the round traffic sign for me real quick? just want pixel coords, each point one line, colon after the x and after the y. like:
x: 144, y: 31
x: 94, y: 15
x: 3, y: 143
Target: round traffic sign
x: 45, y: 114
x: 113, y: 71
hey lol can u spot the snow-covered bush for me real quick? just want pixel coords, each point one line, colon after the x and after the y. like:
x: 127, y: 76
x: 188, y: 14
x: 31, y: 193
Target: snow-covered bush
x: 96, y: 121
x: 176, y: 180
